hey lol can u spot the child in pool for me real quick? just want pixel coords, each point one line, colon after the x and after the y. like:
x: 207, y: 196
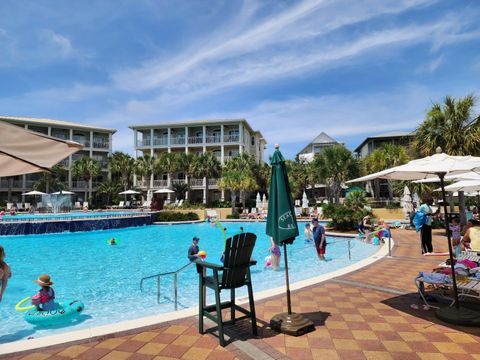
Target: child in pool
x: 45, y: 298
x: 5, y: 272
x: 275, y: 257
x: 308, y: 233
x: 113, y: 241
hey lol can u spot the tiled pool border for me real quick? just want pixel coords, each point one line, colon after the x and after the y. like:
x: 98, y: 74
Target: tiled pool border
x: 130, y: 326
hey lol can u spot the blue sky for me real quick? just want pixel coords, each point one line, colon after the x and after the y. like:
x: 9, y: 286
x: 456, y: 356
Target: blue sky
x: 291, y: 68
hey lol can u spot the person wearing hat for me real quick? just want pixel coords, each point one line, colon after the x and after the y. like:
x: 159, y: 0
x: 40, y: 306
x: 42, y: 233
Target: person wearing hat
x: 45, y: 298
x: 193, y: 249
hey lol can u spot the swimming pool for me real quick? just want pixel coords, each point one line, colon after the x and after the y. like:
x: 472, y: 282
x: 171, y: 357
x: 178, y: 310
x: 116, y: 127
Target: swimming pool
x: 107, y: 278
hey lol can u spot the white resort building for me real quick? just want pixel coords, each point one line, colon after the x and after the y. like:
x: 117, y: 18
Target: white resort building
x: 224, y: 138
x: 316, y: 146
x: 97, y: 142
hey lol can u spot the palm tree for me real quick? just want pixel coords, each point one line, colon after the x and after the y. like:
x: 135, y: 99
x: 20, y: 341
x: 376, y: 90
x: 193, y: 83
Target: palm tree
x: 86, y: 168
x: 238, y: 176
x: 335, y: 165
x: 386, y: 156
x: 453, y: 127
x: 109, y: 189
x: 50, y: 180
x: 122, y: 166
x: 186, y: 163
x: 300, y: 176
x: 261, y: 172
x: 207, y: 167
x: 180, y: 190
x: 166, y: 163
x: 144, y: 167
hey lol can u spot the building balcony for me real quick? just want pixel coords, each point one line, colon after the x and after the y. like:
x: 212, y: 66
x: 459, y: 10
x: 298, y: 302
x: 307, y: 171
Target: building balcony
x: 29, y: 183
x: 196, y: 182
x: 160, y: 183
x: 160, y: 141
x: 82, y: 140
x: 178, y: 181
x: 231, y: 138
x: 143, y: 143
x: 213, y: 182
x: 79, y: 184
x: 195, y: 139
x: 177, y: 140
x: 100, y: 144
x: 213, y: 139
x: 15, y: 184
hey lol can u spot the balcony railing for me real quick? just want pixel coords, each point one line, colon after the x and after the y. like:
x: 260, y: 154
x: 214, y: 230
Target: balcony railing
x: 101, y: 144
x: 213, y: 139
x: 178, y: 181
x: 231, y: 138
x: 143, y: 183
x: 29, y: 183
x: 5, y: 183
x: 195, y: 139
x: 79, y: 184
x: 160, y: 141
x: 143, y: 142
x: 212, y: 182
x: 160, y: 183
x: 177, y: 140
x: 60, y: 135
x: 196, y: 182
x: 82, y: 141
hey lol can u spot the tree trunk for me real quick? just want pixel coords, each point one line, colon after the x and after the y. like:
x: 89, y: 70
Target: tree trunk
x: 376, y: 189
x: 233, y: 199
x: 10, y: 186
x: 206, y: 192
x: 461, y: 205
x: 242, y: 196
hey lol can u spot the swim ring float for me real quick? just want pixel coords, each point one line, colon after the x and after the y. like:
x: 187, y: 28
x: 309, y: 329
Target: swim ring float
x: 65, y: 311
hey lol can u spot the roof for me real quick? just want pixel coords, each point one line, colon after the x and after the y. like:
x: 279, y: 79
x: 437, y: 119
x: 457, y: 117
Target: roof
x: 387, y: 135
x: 321, y: 138
x: 51, y: 122
x: 196, y: 122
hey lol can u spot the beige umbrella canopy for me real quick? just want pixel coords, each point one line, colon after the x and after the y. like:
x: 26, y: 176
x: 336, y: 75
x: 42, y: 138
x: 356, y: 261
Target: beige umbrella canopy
x: 23, y: 151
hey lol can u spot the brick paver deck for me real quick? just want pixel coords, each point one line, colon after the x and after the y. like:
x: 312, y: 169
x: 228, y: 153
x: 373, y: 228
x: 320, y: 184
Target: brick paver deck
x: 362, y: 315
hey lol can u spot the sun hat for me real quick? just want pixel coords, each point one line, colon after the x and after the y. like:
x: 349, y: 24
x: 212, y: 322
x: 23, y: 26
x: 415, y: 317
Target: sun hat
x: 195, y: 238
x: 44, y: 280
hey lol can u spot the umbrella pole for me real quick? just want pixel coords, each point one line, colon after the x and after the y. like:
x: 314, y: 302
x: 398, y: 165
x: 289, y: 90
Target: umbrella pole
x: 289, y: 301
x: 450, y: 250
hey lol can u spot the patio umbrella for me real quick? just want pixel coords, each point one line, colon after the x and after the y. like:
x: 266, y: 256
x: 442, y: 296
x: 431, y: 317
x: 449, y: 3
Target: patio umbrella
x: 282, y: 227
x: 264, y: 201
x: 163, y: 191
x: 24, y: 152
x: 416, y: 198
x: 34, y: 192
x: 129, y: 192
x: 438, y: 165
x: 464, y: 185
x: 258, y: 201
x: 63, y: 192
x: 304, y: 201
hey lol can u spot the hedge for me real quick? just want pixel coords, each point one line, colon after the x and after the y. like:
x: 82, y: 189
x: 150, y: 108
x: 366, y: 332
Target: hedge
x: 168, y: 216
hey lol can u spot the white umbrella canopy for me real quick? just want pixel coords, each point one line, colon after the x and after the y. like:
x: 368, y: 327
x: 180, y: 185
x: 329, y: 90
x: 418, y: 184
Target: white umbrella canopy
x: 407, y: 201
x: 416, y: 198
x: 63, y: 192
x: 24, y: 152
x: 466, y: 176
x: 464, y: 185
x: 304, y: 201
x: 34, y: 192
x: 164, y: 191
x: 129, y: 192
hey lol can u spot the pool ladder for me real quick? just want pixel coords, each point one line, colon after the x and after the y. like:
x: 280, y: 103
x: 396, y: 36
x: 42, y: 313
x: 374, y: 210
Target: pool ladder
x: 175, y: 282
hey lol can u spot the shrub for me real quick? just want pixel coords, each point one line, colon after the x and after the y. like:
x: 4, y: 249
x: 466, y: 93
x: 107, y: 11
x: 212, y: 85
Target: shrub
x: 343, y: 217
x: 169, y: 216
x: 221, y: 204
x: 233, y: 216
x: 392, y: 205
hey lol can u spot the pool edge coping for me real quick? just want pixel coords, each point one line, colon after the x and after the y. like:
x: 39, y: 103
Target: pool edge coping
x: 144, y: 323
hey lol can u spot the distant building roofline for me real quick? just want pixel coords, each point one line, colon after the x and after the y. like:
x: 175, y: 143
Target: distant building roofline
x: 52, y: 122
x: 322, y: 138
x: 387, y: 135
x: 201, y: 122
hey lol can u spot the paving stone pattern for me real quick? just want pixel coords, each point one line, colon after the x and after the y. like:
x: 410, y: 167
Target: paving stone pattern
x: 353, y: 321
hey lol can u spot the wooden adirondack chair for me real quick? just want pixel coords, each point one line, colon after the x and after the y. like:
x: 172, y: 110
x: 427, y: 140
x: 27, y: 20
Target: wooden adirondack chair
x: 234, y: 273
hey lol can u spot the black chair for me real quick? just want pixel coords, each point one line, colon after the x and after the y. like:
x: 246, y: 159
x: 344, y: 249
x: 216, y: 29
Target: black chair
x: 235, y: 273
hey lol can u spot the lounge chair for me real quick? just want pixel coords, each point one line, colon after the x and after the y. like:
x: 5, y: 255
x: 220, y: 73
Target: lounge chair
x: 147, y: 204
x: 180, y: 203
x: 77, y: 205
x: 127, y: 205
x: 27, y: 206
x: 212, y: 214
x: 85, y: 204
x: 175, y: 204
x: 20, y: 207
x: 121, y: 205
x: 244, y: 214
x: 10, y: 206
x: 253, y: 213
x: 298, y: 212
x: 234, y: 273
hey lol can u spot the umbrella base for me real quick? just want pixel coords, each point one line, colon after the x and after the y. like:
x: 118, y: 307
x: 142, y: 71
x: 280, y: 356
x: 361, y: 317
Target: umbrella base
x: 291, y: 324
x: 459, y: 316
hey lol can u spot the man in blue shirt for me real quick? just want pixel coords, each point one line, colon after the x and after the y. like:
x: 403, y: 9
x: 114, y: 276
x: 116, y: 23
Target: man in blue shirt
x: 319, y: 239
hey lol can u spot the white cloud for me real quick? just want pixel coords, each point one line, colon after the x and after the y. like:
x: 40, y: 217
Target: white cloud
x: 60, y: 42
x: 430, y: 66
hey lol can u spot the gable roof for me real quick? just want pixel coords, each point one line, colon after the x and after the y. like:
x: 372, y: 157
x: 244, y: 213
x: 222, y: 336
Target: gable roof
x: 321, y: 138
x: 51, y: 122
x: 387, y: 135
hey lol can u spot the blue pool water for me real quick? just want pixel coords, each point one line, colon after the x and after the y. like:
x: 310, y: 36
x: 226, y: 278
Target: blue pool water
x: 107, y: 278
x: 67, y: 216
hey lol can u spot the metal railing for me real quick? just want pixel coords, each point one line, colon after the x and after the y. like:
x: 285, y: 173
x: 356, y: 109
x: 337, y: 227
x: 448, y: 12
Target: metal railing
x: 231, y: 138
x: 175, y: 282
x: 177, y: 140
x: 163, y: 140
x: 195, y: 139
x: 160, y: 183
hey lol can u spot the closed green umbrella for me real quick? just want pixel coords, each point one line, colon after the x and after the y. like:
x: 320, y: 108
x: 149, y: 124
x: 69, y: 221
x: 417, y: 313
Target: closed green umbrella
x: 282, y: 227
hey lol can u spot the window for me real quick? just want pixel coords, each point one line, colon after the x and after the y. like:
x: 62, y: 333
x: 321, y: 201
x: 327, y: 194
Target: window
x: 253, y: 141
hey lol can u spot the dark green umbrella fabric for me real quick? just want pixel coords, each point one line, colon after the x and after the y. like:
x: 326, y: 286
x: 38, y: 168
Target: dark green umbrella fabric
x: 281, y: 222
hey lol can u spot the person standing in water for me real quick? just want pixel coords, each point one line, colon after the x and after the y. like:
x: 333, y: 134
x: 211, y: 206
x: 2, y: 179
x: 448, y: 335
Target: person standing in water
x: 319, y: 239
x: 193, y: 249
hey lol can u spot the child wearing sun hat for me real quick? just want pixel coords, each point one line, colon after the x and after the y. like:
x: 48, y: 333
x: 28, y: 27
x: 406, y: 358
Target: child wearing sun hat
x: 45, y: 298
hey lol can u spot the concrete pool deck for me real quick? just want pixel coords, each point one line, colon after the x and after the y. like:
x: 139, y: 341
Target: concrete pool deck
x: 364, y: 314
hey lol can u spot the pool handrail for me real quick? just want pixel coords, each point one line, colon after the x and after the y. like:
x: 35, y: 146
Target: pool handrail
x: 175, y: 282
